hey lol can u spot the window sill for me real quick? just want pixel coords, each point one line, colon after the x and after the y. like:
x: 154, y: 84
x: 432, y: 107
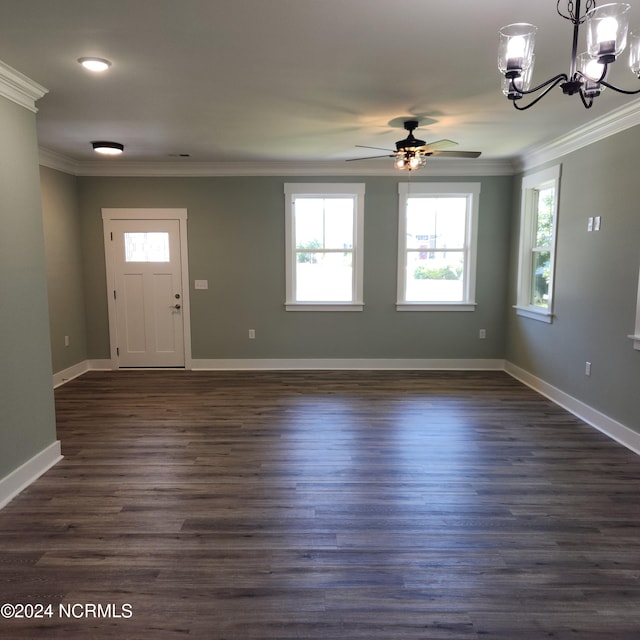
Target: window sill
x: 324, y: 306
x: 636, y: 342
x: 534, y: 314
x: 436, y: 306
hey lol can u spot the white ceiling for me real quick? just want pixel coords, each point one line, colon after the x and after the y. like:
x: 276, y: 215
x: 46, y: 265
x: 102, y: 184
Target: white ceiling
x: 287, y: 80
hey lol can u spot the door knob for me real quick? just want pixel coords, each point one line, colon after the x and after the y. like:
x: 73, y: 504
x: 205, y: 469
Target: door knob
x: 177, y: 306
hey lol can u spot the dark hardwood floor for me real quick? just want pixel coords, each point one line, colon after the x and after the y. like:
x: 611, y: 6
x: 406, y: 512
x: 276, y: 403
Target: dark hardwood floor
x: 323, y: 505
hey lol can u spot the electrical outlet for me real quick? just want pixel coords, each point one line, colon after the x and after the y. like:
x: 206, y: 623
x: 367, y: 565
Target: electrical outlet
x: 67, y: 342
x: 252, y: 334
x: 587, y: 368
x: 482, y: 334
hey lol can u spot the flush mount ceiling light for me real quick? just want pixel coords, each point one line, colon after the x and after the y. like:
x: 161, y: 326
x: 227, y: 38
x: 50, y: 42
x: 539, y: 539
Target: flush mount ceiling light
x: 107, y: 148
x: 607, y: 34
x: 95, y: 64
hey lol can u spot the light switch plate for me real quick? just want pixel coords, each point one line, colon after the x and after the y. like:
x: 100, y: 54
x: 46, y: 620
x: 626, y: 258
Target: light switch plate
x: 202, y: 284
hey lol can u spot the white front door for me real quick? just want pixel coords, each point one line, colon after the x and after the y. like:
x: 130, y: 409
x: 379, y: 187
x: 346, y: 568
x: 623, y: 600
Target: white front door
x: 145, y: 266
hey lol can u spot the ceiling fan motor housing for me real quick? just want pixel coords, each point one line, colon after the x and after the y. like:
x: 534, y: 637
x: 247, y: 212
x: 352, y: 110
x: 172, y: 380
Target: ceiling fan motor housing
x: 410, y: 142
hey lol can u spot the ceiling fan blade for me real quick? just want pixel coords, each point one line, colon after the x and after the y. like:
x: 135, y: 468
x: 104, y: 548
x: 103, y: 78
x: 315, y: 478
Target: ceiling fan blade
x: 362, y: 146
x: 440, y: 144
x: 369, y: 158
x: 455, y: 154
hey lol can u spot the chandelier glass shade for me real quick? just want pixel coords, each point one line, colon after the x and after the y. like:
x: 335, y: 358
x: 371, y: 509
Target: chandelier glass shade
x: 607, y: 37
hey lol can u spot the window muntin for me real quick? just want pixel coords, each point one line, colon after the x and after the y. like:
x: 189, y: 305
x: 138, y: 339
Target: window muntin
x: 538, y: 220
x: 324, y: 246
x: 437, y: 246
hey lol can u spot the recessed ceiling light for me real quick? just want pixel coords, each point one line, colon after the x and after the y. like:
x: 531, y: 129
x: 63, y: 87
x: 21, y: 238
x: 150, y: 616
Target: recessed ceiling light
x: 94, y: 64
x: 108, y: 148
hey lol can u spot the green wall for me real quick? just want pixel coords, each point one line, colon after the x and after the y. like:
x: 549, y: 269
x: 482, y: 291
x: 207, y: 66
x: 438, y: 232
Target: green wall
x: 596, y: 283
x: 236, y: 242
x: 26, y: 411
x: 61, y: 220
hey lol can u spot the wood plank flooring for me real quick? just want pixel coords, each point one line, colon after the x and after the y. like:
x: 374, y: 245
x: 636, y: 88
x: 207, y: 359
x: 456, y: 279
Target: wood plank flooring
x: 324, y: 505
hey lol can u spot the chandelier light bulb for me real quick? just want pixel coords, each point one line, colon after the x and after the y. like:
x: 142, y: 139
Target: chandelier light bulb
x: 593, y: 69
x: 607, y: 30
x: 515, y: 48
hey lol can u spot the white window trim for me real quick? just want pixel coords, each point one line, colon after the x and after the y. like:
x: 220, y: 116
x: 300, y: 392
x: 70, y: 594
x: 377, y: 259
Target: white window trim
x: 472, y: 191
x: 531, y: 183
x: 636, y: 336
x: 320, y: 189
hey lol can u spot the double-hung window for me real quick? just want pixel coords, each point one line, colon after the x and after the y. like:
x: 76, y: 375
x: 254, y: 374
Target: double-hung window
x: 324, y: 238
x: 437, y: 238
x: 538, y: 224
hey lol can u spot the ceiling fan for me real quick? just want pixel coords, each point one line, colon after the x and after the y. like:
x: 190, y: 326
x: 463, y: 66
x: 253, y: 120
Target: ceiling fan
x: 412, y: 153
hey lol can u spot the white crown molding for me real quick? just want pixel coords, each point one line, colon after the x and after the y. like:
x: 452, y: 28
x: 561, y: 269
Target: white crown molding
x: 19, y: 89
x: 57, y: 161
x: 187, y: 169
x: 613, y: 122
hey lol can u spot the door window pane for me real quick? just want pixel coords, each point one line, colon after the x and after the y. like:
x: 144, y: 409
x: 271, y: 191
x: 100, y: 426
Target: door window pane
x: 152, y: 246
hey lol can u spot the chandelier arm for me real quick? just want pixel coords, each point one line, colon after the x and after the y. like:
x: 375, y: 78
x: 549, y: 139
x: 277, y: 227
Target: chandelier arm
x: 550, y: 83
x: 625, y: 91
x: 587, y: 103
x: 553, y: 82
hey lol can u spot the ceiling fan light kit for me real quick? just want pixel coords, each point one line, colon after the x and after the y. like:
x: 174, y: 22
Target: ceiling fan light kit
x: 607, y: 29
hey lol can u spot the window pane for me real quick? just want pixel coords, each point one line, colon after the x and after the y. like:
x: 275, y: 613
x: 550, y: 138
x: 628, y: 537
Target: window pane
x: 434, y: 277
x: 309, y: 223
x: 436, y: 222
x: 324, y: 277
x: 338, y: 223
x: 544, y: 217
x: 146, y: 247
x: 324, y: 223
x: 541, y: 273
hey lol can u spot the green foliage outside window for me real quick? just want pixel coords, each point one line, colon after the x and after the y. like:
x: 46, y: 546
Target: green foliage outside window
x: 450, y: 272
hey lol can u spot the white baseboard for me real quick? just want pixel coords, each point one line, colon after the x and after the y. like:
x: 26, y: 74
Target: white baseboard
x: 615, y: 430
x: 31, y: 470
x: 250, y: 364
x: 99, y: 365
x: 62, y: 377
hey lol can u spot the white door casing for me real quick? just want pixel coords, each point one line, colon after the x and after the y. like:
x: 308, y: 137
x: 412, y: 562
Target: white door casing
x: 148, y: 295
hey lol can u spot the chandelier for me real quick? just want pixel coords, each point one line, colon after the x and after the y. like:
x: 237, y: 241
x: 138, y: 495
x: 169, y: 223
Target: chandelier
x: 607, y: 35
